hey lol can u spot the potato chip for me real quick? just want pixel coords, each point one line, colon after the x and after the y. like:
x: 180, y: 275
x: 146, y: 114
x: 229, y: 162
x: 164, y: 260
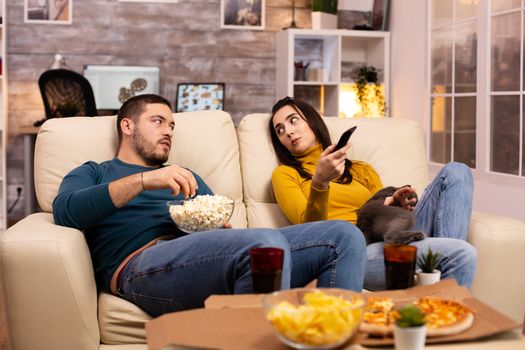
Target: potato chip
x: 323, y: 319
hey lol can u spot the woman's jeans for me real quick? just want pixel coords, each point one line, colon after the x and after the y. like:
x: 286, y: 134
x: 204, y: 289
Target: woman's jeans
x: 180, y: 274
x: 443, y: 213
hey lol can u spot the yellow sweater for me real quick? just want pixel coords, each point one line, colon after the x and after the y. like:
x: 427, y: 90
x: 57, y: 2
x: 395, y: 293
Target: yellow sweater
x: 301, y: 203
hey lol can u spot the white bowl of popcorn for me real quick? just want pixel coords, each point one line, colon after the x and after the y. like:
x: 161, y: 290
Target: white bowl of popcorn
x: 306, y: 318
x: 201, y: 213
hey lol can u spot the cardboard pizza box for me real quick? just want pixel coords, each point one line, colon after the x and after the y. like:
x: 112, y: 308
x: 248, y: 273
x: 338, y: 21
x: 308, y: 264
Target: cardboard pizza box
x: 238, y: 322
x: 487, y: 320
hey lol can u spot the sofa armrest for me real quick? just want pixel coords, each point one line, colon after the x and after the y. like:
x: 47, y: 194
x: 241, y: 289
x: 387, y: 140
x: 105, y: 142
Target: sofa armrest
x: 49, y: 286
x: 500, y: 243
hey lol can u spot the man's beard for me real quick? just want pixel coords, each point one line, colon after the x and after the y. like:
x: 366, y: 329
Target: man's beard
x: 146, y: 150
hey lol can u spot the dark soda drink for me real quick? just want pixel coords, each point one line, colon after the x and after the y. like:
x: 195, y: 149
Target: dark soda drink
x: 266, y: 281
x: 400, y: 265
x: 266, y: 265
x: 399, y: 274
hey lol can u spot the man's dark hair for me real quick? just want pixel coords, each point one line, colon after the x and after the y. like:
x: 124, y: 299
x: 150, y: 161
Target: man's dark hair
x: 135, y: 106
x: 318, y: 126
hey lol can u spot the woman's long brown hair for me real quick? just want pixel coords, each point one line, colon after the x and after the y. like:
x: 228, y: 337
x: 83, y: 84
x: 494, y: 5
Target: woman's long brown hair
x: 316, y: 123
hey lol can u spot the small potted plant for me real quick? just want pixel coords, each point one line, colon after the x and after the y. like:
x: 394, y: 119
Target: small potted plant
x: 369, y: 91
x: 324, y: 14
x: 409, y: 329
x: 427, y: 264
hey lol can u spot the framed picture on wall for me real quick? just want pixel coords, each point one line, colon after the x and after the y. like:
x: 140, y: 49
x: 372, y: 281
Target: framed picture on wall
x: 199, y: 97
x: 48, y: 11
x: 380, y: 15
x: 242, y: 14
x: 172, y: 1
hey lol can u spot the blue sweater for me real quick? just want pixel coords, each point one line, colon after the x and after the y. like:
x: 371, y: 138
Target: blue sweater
x: 83, y: 202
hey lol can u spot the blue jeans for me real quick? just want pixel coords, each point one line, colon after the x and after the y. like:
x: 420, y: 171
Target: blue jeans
x: 180, y: 274
x: 443, y: 213
x: 445, y: 207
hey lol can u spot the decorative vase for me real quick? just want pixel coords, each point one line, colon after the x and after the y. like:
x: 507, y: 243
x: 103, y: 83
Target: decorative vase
x: 410, y: 338
x: 426, y: 278
x: 323, y: 20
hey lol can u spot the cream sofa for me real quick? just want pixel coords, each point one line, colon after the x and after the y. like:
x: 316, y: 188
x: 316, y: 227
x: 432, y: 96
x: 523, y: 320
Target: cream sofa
x: 47, y: 277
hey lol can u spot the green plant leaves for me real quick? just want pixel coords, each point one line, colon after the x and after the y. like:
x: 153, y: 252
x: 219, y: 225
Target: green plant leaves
x: 410, y: 316
x: 428, y: 261
x: 367, y: 78
x: 327, y: 6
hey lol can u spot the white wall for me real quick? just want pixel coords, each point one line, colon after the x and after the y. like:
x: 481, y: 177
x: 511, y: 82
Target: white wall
x: 408, y: 27
x: 355, y: 5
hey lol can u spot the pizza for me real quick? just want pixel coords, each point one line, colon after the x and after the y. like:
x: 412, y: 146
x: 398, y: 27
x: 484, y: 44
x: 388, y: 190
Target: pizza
x: 443, y: 316
x: 378, y: 317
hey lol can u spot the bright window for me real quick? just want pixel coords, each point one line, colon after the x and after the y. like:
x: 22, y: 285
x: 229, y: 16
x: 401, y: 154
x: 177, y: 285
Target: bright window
x: 506, y: 87
x: 456, y: 29
x: 453, y: 50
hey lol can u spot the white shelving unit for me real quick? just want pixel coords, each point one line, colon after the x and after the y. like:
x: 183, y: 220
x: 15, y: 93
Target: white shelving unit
x: 334, y: 55
x: 3, y: 118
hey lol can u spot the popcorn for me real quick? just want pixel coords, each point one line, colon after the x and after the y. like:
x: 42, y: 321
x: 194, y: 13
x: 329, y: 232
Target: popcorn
x: 201, y: 213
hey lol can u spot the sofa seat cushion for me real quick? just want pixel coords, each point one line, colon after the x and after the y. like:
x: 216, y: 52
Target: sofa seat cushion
x: 120, y: 321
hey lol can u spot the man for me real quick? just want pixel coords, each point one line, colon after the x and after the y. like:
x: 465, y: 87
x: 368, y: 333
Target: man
x: 140, y: 255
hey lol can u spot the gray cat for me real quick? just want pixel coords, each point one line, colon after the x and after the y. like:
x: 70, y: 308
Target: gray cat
x: 390, y: 224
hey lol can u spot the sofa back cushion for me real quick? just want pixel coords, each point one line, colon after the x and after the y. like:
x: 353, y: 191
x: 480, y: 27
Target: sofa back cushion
x: 394, y: 147
x: 203, y: 141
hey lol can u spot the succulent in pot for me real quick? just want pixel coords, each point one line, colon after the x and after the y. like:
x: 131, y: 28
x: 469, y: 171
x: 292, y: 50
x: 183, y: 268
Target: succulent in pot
x: 409, y: 329
x: 427, y: 264
x: 429, y: 261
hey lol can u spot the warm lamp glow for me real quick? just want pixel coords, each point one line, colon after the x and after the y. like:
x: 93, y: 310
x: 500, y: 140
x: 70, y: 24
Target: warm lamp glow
x: 348, y: 103
x: 438, y: 109
x: 350, y: 107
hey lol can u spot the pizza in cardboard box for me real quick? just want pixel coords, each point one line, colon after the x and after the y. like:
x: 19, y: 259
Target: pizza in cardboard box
x: 443, y: 316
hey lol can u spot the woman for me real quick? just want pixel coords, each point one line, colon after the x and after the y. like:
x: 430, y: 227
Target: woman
x: 314, y: 183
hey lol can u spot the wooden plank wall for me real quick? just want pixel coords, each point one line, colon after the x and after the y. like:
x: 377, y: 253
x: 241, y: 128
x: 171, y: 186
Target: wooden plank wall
x: 184, y: 39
